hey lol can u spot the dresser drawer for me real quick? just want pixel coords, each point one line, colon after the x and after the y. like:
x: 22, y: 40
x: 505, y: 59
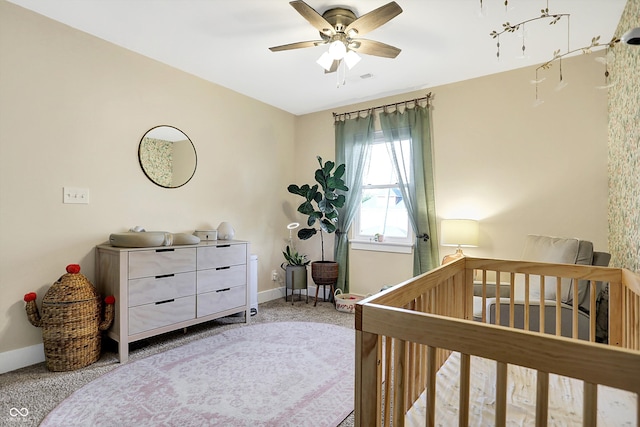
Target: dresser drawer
x: 161, y: 288
x: 220, y: 300
x: 159, y: 262
x: 162, y: 313
x: 222, y: 277
x: 221, y: 256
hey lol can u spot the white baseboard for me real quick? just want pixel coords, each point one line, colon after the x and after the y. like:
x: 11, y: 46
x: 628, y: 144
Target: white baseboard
x: 20, y: 358
x: 271, y: 294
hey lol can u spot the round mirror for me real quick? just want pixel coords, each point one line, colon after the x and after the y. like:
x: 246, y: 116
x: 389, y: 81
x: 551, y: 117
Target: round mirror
x: 167, y: 156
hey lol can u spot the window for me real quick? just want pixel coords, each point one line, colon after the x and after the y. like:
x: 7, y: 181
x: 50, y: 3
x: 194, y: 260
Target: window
x: 382, y: 209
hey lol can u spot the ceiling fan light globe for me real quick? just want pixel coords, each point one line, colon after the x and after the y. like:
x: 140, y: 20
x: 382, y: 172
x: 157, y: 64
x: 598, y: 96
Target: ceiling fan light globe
x: 351, y: 59
x: 337, y: 50
x: 325, y: 61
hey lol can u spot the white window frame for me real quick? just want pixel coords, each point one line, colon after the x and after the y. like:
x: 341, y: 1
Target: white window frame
x: 390, y: 244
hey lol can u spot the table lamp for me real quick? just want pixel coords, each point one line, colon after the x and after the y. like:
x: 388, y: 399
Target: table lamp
x: 459, y: 233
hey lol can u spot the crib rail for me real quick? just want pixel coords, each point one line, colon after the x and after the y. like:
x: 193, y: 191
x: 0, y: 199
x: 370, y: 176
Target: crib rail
x: 404, y: 335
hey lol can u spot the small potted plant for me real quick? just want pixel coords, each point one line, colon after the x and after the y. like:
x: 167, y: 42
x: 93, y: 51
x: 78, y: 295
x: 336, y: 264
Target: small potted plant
x: 295, y: 267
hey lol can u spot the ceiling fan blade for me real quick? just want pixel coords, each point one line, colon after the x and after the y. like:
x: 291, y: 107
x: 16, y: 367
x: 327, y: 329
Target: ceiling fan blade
x: 372, y: 20
x: 298, y: 45
x: 334, y: 67
x: 314, y: 18
x: 372, y: 47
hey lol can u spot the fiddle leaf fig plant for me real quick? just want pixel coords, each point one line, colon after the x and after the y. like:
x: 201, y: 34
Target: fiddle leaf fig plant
x: 322, y: 200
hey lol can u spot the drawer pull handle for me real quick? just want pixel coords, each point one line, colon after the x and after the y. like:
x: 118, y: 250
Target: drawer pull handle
x: 223, y: 246
x: 165, y: 275
x: 223, y: 290
x: 165, y: 301
x: 223, y: 268
x: 165, y: 250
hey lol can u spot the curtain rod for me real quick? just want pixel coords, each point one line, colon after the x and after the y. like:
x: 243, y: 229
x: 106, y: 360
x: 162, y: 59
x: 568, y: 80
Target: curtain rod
x: 427, y: 97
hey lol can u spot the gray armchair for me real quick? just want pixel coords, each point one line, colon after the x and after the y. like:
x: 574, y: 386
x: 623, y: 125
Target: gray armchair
x: 546, y: 249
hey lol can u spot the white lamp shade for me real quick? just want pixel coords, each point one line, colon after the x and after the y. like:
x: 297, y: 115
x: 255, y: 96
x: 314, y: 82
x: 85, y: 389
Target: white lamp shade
x: 351, y: 59
x: 325, y: 61
x: 459, y: 232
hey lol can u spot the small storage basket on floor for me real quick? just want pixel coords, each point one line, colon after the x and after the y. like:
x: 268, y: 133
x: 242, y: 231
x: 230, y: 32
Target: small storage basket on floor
x: 346, y: 302
x: 70, y: 321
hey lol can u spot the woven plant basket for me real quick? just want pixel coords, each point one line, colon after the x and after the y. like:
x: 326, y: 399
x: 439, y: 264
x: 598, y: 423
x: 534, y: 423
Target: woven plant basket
x: 324, y: 272
x: 71, y: 321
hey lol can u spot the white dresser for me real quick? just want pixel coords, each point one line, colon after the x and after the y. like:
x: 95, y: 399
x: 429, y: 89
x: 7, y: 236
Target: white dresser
x: 162, y: 289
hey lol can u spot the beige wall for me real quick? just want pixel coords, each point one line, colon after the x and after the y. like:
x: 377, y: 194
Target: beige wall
x: 517, y: 169
x: 72, y: 111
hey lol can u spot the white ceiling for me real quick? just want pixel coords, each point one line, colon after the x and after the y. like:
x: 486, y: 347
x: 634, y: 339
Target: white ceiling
x: 227, y: 41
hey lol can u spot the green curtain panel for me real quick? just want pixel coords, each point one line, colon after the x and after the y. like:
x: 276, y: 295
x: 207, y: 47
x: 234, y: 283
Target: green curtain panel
x: 416, y: 183
x: 353, y: 142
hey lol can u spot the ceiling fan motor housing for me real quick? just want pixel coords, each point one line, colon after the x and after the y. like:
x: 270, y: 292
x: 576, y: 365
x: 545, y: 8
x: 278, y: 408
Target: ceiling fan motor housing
x: 340, y: 18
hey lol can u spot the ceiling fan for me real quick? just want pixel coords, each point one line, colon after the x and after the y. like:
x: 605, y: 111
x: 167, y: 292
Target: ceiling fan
x: 340, y: 28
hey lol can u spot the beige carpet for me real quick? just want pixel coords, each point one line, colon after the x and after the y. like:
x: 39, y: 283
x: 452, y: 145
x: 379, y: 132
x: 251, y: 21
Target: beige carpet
x: 40, y: 391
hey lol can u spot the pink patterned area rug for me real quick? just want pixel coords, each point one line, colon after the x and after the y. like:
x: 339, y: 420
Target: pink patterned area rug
x: 270, y: 374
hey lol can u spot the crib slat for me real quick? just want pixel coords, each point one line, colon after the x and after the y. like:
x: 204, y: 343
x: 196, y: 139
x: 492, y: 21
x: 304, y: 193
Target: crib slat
x: 431, y: 387
x: 512, y: 299
x: 409, y: 379
x: 558, y: 302
x: 629, y: 318
x: 542, y: 398
x: 501, y: 394
x: 416, y: 382
x: 590, y: 405
x: 616, y: 317
x: 498, y: 285
x: 387, y: 381
x: 633, y: 319
x: 592, y: 310
x: 542, y: 310
x: 526, y: 302
x: 484, y: 296
x: 574, y: 312
x: 465, y: 383
x: 399, y: 358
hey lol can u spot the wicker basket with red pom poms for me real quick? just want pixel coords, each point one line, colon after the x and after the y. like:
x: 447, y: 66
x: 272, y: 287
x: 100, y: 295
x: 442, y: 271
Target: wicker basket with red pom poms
x: 71, y: 321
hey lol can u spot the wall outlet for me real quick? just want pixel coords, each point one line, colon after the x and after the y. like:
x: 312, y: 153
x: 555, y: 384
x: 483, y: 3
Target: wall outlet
x: 274, y: 275
x: 75, y: 195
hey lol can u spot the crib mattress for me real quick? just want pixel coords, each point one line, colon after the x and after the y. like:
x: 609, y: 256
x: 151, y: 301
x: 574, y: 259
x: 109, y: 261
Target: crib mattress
x: 615, y: 407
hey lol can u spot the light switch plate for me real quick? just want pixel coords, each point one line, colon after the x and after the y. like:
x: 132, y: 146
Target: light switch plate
x: 75, y: 195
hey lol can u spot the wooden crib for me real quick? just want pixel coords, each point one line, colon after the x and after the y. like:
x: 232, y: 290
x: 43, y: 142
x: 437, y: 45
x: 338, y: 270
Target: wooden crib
x: 405, y: 334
